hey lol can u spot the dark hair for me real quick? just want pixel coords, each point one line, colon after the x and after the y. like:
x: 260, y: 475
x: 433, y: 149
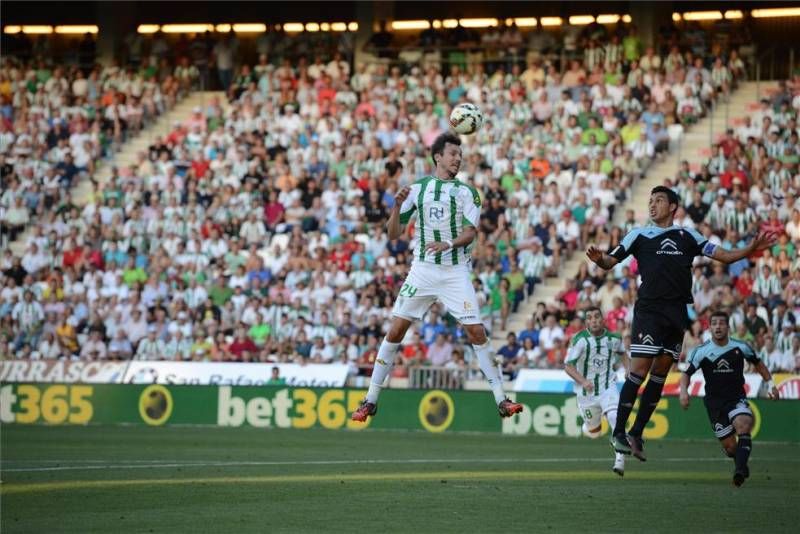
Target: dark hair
x: 591, y: 309
x: 672, y: 196
x: 439, y: 143
x: 720, y: 313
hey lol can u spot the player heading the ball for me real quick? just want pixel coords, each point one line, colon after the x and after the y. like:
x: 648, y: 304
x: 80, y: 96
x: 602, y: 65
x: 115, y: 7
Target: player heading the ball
x: 447, y: 214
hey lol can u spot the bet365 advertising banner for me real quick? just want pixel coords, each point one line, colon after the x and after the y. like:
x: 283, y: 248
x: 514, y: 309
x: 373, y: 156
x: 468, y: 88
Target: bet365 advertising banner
x: 284, y: 407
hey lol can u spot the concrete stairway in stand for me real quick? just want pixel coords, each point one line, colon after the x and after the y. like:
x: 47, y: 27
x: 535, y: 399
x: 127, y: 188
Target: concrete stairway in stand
x: 695, y: 146
x: 127, y: 154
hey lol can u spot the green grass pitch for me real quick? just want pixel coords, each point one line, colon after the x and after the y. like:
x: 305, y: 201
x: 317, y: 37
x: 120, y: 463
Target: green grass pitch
x: 135, y: 479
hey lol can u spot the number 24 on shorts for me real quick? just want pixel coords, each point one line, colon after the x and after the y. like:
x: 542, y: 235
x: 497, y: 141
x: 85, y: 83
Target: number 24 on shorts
x: 407, y: 290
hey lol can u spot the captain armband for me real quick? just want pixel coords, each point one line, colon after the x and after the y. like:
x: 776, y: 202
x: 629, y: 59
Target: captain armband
x: 709, y: 248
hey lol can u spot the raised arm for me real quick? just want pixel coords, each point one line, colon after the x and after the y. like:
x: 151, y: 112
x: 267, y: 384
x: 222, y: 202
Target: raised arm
x: 761, y: 241
x: 600, y: 258
x: 394, y: 227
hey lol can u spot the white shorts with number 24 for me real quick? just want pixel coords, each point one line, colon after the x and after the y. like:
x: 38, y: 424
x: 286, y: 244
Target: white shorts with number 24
x: 450, y: 284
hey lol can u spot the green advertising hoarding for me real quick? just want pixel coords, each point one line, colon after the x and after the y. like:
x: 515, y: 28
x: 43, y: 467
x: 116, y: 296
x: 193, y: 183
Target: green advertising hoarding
x: 283, y: 407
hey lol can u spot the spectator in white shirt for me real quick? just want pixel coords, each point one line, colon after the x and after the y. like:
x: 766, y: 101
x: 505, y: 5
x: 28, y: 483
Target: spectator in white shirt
x: 151, y: 348
x: 181, y: 324
x: 29, y: 316
x: 549, y: 333
x: 137, y: 326
x: 568, y: 229
x: 94, y: 348
x: 253, y: 230
x: 34, y: 260
x: 120, y: 347
x: 321, y: 352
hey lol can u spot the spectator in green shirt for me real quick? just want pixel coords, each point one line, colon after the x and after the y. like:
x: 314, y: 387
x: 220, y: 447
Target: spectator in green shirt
x: 259, y: 333
x: 586, y: 115
x: 509, y: 178
x: 516, y: 283
x: 235, y: 258
x: 632, y: 46
x: 600, y: 135
x: 42, y: 73
x: 147, y: 70
x: 631, y: 131
x: 276, y: 379
x: 220, y: 293
x: 201, y: 346
x: 132, y: 274
x: 579, y: 210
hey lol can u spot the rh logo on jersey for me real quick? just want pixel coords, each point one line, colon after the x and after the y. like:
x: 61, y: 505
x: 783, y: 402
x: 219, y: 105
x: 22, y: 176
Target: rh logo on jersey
x: 668, y: 246
x: 438, y: 215
x: 436, y: 212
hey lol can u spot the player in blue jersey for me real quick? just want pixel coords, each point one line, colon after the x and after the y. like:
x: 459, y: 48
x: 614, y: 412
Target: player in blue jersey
x: 722, y: 362
x: 665, y: 253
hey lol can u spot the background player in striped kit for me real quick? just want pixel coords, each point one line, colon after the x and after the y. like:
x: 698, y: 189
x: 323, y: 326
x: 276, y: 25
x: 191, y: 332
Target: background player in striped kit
x: 591, y: 362
x: 722, y: 361
x: 447, y: 214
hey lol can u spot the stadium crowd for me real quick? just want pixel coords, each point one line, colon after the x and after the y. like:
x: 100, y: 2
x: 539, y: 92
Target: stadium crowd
x: 59, y: 122
x: 749, y: 183
x: 255, y: 233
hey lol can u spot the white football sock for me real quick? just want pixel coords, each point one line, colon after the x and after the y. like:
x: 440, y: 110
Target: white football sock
x: 487, y: 365
x: 611, y: 417
x: 383, y: 366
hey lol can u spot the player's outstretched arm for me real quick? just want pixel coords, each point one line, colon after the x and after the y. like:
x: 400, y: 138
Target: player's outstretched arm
x: 684, y: 395
x: 761, y: 241
x: 393, y: 226
x: 772, y: 391
x: 600, y: 258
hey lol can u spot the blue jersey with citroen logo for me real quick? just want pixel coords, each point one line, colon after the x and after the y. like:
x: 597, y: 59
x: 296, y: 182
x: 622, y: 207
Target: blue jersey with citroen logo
x: 722, y: 366
x: 665, y: 257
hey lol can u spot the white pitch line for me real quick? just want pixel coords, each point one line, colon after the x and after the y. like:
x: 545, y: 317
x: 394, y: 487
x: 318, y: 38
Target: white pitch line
x: 173, y: 465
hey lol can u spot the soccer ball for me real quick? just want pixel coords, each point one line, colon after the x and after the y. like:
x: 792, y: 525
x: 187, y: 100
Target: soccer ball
x: 466, y: 118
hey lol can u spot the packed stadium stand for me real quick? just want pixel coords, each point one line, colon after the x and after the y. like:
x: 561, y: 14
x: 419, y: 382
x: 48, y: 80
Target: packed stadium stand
x: 247, y: 224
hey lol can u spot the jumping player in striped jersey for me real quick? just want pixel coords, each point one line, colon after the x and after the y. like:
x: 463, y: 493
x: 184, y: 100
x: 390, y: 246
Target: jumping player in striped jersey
x: 591, y: 361
x: 447, y: 213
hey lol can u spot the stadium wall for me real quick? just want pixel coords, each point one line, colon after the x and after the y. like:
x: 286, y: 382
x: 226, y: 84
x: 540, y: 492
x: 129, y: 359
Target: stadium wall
x: 301, y: 408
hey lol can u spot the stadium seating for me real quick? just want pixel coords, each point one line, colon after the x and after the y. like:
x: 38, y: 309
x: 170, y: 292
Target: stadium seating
x: 251, y: 231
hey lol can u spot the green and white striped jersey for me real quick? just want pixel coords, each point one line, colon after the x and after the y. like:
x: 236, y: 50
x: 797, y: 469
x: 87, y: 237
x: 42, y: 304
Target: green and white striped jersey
x: 442, y: 209
x: 596, y: 358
